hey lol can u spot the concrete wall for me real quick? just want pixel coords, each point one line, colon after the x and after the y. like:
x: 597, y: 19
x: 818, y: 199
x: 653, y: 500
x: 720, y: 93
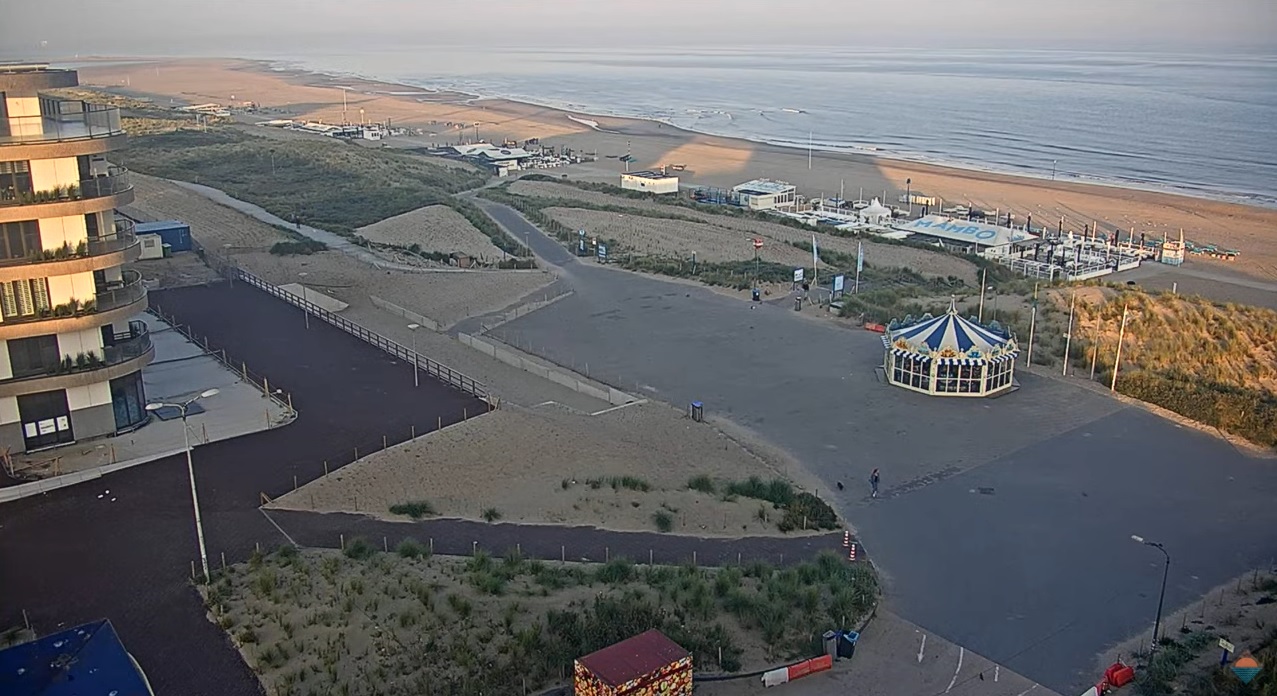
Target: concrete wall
x: 9, y: 413
x: 411, y: 316
x: 556, y: 375
x: 92, y: 422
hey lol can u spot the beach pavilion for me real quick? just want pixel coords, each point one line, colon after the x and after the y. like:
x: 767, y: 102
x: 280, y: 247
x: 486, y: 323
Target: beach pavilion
x: 949, y: 355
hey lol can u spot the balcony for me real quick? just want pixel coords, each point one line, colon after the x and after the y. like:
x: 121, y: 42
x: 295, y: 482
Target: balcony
x: 81, y: 129
x: 130, y: 352
x: 113, y: 302
x: 95, y: 254
x: 91, y: 195
x: 81, y: 122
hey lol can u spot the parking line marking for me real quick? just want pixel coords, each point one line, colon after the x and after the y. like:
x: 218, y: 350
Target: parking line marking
x: 953, y: 681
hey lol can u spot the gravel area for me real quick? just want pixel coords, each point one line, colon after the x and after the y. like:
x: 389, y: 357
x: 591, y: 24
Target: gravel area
x: 534, y: 466
x: 434, y: 228
x: 743, y: 229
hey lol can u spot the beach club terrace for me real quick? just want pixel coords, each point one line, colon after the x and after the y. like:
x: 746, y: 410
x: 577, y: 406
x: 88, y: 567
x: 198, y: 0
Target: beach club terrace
x: 766, y: 194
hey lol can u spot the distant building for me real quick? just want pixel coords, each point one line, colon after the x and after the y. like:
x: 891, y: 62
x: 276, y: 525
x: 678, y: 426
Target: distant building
x: 71, y: 355
x: 649, y: 181
x: 918, y: 198
x: 765, y: 194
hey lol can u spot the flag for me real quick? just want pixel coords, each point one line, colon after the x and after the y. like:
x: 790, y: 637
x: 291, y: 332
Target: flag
x: 860, y: 256
x: 815, y: 256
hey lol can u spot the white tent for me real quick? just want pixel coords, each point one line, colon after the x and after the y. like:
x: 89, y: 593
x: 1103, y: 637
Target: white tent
x: 875, y: 213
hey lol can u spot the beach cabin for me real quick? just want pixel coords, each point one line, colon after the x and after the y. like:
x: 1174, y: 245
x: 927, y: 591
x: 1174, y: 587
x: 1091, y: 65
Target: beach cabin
x: 766, y: 194
x: 649, y: 181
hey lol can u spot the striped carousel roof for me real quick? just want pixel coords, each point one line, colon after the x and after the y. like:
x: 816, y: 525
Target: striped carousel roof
x: 951, y: 339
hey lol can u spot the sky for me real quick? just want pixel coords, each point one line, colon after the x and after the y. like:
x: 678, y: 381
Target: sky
x: 250, y: 27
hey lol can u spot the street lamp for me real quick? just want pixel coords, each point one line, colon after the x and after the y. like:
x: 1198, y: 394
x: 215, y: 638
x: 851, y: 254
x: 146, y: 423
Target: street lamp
x: 909, y: 195
x: 1052, y: 170
x: 1157, y: 622
x: 190, y: 467
x: 416, y: 381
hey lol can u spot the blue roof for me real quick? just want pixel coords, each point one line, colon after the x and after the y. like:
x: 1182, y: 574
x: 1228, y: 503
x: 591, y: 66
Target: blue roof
x: 144, y: 227
x: 86, y: 660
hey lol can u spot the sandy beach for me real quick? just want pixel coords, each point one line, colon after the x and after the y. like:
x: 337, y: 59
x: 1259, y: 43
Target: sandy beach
x: 709, y: 160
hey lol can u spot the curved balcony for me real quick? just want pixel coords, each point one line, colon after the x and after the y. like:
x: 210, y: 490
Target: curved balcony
x: 98, y: 253
x: 84, y: 129
x: 91, y: 195
x: 113, y: 303
x: 130, y: 352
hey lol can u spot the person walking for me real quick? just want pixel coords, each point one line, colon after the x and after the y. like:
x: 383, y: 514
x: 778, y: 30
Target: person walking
x: 873, y: 483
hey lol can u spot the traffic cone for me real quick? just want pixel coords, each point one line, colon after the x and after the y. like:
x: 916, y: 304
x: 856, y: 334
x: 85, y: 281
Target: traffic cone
x: 851, y: 554
x: 846, y: 539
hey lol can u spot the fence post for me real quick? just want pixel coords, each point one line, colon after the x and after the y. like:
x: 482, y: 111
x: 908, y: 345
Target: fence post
x: 440, y: 425
x: 325, y: 468
x: 414, y: 431
x: 465, y: 414
x: 343, y: 541
x: 243, y: 368
x: 563, y: 555
x: 266, y: 386
x: 294, y: 482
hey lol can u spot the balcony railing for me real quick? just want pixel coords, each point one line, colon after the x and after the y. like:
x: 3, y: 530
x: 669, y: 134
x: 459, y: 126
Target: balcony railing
x: 88, y: 121
x: 127, y: 346
x: 115, y: 181
x: 125, y: 236
x: 109, y: 296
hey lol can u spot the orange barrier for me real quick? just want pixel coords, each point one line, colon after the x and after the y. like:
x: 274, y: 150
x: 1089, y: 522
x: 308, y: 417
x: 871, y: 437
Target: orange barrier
x: 812, y: 666
x: 876, y: 328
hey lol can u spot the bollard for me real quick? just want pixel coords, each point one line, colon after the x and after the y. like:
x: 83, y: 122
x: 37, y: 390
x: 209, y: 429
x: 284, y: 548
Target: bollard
x: 206, y: 344
x: 607, y: 555
x: 383, y: 442
x: 440, y: 424
x: 325, y: 468
x: 192, y: 570
x: 356, y: 501
x: 414, y: 432
x: 693, y: 559
x: 294, y: 482
x: 846, y: 539
x: 223, y: 560
x: 290, y: 401
x: 257, y: 545
x: 266, y: 386
x: 649, y: 557
x: 474, y: 548
x: 738, y: 558
x: 243, y: 368
x: 465, y: 414
x: 563, y: 556
x: 518, y: 550
x: 356, y: 453
x: 112, y: 453
x: 204, y: 429
x: 851, y: 553
x: 343, y: 541
x: 385, y: 545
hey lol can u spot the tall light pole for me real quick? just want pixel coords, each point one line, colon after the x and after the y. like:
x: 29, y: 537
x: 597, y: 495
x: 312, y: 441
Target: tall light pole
x: 416, y: 381
x: 984, y: 276
x: 1157, y: 622
x: 909, y: 195
x: 190, y: 467
x: 1068, y: 335
x: 1052, y: 170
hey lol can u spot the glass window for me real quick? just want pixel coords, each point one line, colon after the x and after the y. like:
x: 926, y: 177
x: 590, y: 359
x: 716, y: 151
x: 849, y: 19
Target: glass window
x: 19, y: 240
x: 37, y: 355
x: 15, y: 180
x: 128, y: 400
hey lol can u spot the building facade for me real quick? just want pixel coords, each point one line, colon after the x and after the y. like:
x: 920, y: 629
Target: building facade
x: 649, y: 181
x: 71, y: 349
x: 765, y: 194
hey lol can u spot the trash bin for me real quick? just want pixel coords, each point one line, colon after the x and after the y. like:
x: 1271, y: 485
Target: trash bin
x: 831, y: 643
x: 798, y: 304
x: 698, y: 411
x: 847, y: 643
x: 758, y: 296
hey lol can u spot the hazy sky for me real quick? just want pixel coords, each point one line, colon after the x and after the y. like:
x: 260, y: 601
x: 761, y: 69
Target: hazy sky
x: 232, y: 27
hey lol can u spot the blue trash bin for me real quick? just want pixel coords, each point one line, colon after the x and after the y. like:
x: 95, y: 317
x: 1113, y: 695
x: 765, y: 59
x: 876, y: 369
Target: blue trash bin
x: 847, y: 643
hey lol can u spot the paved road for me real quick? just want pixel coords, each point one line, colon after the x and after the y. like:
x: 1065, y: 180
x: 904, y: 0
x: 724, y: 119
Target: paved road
x: 69, y: 556
x: 1004, y: 524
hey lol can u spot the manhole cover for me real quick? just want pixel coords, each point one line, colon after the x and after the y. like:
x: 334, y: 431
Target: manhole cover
x: 985, y: 491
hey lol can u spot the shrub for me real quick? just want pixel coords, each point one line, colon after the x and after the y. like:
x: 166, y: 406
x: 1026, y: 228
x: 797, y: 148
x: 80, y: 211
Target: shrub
x: 806, y: 511
x: 304, y: 247
x: 664, y: 521
x: 491, y: 515
x: 359, y: 549
x: 615, y: 571
x: 411, y: 548
x: 777, y: 491
x: 701, y: 483
x: 416, y: 509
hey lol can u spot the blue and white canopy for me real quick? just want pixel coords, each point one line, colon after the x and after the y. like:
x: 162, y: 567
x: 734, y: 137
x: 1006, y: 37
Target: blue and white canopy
x: 951, y: 339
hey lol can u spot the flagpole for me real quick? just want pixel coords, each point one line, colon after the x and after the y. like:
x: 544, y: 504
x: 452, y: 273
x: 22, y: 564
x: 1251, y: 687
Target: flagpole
x: 1033, y: 319
x: 1068, y: 337
x: 860, y: 261
x: 815, y: 259
x: 1121, y: 333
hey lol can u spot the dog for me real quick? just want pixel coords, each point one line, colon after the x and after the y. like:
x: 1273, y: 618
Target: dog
x: 840, y: 486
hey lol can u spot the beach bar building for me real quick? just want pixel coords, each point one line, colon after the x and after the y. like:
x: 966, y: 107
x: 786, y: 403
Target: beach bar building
x: 765, y: 194
x: 71, y: 353
x: 648, y: 664
x: 649, y: 181
x: 949, y: 355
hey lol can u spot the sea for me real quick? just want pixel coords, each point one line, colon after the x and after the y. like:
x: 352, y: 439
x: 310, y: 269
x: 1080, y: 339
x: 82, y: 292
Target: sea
x: 1195, y: 124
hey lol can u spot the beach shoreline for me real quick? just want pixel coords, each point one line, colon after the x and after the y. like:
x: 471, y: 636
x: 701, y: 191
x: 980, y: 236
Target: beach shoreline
x: 714, y: 161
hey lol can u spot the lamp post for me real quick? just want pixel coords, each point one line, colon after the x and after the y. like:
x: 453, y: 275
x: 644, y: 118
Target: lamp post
x: 909, y: 195
x: 1157, y: 622
x: 190, y: 467
x: 1052, y: 170
x: 416, y: 381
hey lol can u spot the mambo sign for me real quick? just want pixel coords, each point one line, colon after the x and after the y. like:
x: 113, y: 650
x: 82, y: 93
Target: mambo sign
x: 966, y: 231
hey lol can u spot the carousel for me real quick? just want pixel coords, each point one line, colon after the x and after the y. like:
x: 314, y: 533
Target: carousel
x: 950, y: 355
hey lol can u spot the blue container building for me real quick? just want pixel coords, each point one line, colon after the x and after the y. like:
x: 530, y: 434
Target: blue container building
x: 174, y: 233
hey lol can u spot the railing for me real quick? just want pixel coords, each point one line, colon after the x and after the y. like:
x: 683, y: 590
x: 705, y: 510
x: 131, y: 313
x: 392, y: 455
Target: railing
x: 116, y: 296
x: 131, y: 345
x: 115, y: 181
x: 83, y: 122
x: 430, y: 367
x: 124, y: 237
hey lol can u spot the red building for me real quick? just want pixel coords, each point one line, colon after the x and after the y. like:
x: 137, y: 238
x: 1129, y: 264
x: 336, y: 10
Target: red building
x: 648, y: 664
